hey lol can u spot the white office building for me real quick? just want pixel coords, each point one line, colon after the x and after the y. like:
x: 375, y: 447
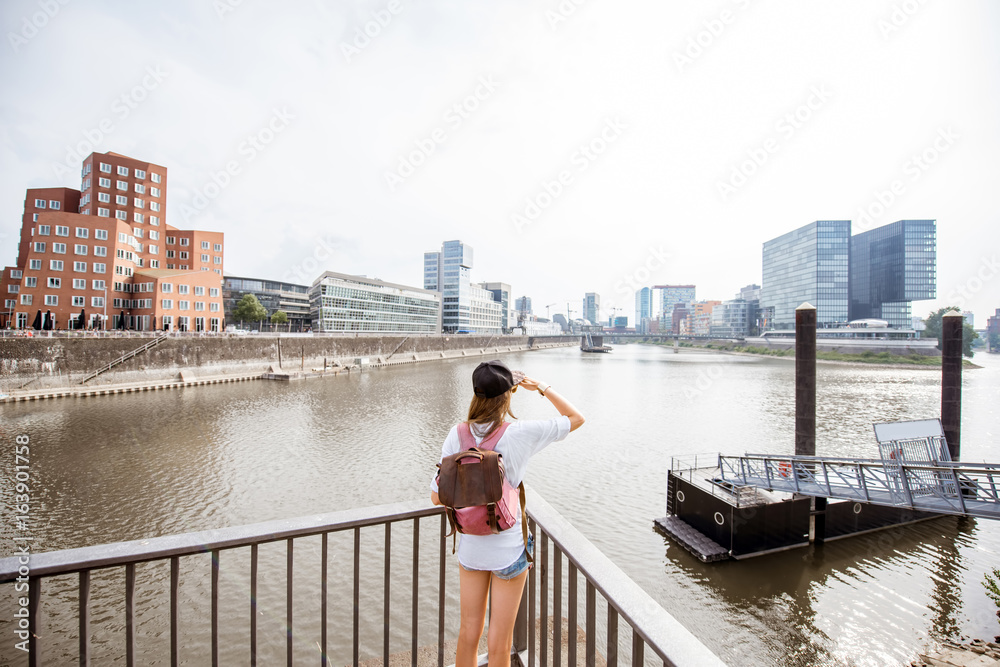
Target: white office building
x: 345, y: 303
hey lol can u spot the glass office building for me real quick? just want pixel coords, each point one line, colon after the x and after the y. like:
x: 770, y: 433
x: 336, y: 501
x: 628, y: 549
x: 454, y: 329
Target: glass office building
x: 643, y: 309
x: 591, y: 307
x: 501, y: 294
x: 273, y: 295
x: 891, y: 266
x: 810, y: 264
x: 449, y: 272
x: 345, y: 303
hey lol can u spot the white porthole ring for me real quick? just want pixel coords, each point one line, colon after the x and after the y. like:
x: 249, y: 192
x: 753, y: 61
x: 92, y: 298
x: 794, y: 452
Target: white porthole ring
x: 857, y: 508
x: 719, y: 519
x: 680, y: 496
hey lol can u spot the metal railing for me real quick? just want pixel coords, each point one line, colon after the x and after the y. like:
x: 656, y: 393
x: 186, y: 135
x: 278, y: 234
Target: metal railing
x: 652, y: 626
x: 948, y: 487
x: 125, y: 357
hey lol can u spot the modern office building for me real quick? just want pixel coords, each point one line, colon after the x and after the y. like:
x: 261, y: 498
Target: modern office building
x: 449, y: 272
x: 345, y: 303
x: 993, y: 332
x: 485, y: 315
x: 643, y: 309
x: 290, y: 298
x: 731, y: 319
x: 81, y: 254
x: 890, y: 267
x: 523, y: 306
x: 591, y: 307
x: 502, y: 295
x: 670, y: 296
x: 809, y: 264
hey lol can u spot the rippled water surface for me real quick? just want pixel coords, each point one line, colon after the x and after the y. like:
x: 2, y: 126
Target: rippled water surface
x: 133, y: 466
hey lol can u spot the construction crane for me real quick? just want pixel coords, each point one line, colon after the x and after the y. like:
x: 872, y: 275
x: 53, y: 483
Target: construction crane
x: 547, y: 311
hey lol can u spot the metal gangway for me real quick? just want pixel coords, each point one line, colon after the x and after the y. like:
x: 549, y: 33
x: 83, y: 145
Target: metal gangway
x: 914, y: 471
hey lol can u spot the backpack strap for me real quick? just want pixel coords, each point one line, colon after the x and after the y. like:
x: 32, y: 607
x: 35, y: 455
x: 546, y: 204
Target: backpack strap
x: 467, y: 441
x: 524, y: 523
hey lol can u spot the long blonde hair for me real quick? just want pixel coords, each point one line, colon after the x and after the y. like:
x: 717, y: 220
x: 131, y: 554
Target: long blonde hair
x: 490, y: 410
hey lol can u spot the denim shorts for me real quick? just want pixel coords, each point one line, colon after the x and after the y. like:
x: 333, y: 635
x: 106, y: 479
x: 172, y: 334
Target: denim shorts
x: 520, y: 565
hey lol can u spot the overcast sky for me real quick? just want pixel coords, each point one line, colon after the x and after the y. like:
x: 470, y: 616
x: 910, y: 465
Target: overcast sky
x: 577, y: 146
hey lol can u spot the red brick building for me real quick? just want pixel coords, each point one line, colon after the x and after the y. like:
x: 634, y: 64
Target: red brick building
x: 107, y: 251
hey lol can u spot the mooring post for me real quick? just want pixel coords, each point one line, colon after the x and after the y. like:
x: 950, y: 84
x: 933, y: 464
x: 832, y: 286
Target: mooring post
x: 951, y: 382
x: 805, y: 380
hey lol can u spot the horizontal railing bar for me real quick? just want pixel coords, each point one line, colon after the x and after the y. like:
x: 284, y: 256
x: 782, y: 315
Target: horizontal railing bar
x: 985, y: 468
x: 665, y: 635
x: 67, y: 561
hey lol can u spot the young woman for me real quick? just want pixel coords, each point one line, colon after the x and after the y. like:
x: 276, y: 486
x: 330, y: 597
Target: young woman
x: 497, y: 565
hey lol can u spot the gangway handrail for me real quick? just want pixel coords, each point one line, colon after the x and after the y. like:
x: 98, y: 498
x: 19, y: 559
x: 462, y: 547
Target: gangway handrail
x: 125, y: 357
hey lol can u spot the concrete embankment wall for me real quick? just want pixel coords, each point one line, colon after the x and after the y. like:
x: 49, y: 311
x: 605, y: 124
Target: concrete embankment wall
x: 59, y: 362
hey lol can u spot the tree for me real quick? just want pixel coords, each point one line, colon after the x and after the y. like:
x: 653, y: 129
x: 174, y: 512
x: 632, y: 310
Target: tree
x: 249, y: 310
x: 279, y: 317
x: 933, y: 324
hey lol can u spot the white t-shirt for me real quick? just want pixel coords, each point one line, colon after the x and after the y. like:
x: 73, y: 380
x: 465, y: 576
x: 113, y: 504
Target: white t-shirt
x: 520, y: 442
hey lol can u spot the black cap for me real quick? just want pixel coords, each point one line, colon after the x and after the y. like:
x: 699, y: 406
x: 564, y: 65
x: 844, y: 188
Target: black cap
x: 491, y: 379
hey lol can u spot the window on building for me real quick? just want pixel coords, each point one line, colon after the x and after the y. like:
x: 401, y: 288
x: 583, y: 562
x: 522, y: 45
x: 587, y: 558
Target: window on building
x: 137, y: 232
x: 154, y: 235
x: 170, y: 254
x: 79, y: 249
x: 153, y: 176
x: 183, y: 305
x: 86, y: 185
x: 51, y: 300
x: 140, y: 173
x: 53, y: 282
x: 121, y: 215
x: 103, y: 212
x: 39, y: 246
x: 199, y: 290
x: 10, y: 304
x: 104, y: 197
x: 100, y: 251
x: 170, y: 240
x: 55, y: 265
x: 104, y: 182
x: 154, y: 220
x: 154, y: 206
x: 204, y: 258
x: 80, y: 283
x: 78, y: 301
x: 105, y: 167
x: 97, y: 302
x: 217, y: 260
x: 35, y: 264
x: 154, y: 250
x: 214, y: 307
x: 217, y: 247
x: 34, y: 217
x: 141, y: 189
x: 98, y: 284
x: 169, y: 265
x: 122, y: 185
x: 184, y: 254
x: 30, y: 281
x: 59, y: 248
x: 13, y: 289
x: 166, y: 288
x: 205, y: 245
x: 62, y: 231
x: 183, y: 289
x: 82, y: 233
x: 155, y: 192
x: 122, y: 238
x: 154, y: 263
x: 122, y: 171
x: 199, y: 305
x: 39, y: 203
x: 80, y: 267
x: 44, y: 230
x: 54, y: 205
x: 100, y: 268
x: 121, y: 200
x: 185, y: 241
x: 25, y: 299
x: 166, y: 303
x: 101, y: 234
x: 137, y: 217
x: 213, y: 291
x: 139, y: 203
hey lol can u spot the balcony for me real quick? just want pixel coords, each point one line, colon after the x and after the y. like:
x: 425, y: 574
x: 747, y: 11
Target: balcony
x: 279, y: 590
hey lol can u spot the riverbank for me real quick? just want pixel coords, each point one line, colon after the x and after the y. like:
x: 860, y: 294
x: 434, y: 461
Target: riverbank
x: 884, y: 359
x: 53, y: 368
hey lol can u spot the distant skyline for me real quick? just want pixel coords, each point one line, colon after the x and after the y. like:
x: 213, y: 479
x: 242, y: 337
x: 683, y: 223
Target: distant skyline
x: 614, y: 145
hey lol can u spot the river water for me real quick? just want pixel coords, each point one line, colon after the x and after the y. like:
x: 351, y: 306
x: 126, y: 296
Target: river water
x: 141, y: 465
